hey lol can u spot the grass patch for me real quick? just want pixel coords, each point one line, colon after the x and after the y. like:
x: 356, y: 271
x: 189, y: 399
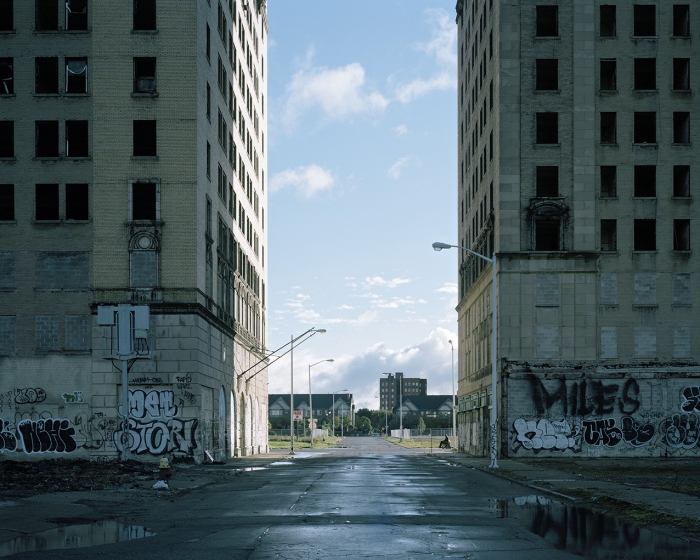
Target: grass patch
x: 284, y: 442
x: 415, y: 443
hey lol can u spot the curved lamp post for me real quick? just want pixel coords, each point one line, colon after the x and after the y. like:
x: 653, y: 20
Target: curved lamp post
x: 311, y: 407
x: 454, y: 398
x: 438, y: 246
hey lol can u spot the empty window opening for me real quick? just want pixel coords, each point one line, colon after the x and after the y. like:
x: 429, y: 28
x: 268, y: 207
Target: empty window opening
x: 76, y: 75
x: 645, y: 128
x: 645, y: 181
x: 76, y: 15
x: 608, y: 128
x: 144, y: 75
x: 46, y: 138
x: 143, y: 201
x: 681, y: 20
x: 547, y: 128
x: 608, y: 235
x: 77, y: 139
x: 46, y: 15
x: 6, y: 15
x: 46, y: 74
x: 144, y: 15
x: 6, y: 76
x: 645, y: 235
x: 608, y: 181
x: 547, y: 21
x: 547, y: 235
x: 7, y: 203
x: 547, y: 181
x: 608, y: 75
x: 644, y: 20
x: 645, y: 73
x: 7, y: 139
x: 681, y: 74
x: 547, y: 74
x: 681, y: 181
x: 681, y: 128
x: 681, y: 235
x: 145, y: 141
x: 46, y: 202
x: 77, y: 202
x: 608, y: 21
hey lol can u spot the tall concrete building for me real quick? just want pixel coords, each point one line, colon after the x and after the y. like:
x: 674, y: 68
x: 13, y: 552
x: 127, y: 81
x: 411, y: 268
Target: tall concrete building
x: 578, y: 167
x: 132, y: 171
x: 390, y: 389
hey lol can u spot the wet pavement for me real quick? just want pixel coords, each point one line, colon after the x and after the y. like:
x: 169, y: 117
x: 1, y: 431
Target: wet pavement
x: 368, y: 499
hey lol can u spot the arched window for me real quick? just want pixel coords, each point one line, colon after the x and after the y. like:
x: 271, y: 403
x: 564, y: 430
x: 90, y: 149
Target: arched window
x: 548, y: 221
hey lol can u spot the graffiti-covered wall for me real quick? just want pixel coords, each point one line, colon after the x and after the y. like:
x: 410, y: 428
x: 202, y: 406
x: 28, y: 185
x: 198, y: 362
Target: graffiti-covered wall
x: 618, y: 412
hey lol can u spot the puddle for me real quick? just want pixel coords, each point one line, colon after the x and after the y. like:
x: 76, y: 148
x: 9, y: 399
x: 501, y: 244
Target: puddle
x: 281, y: 463
x: 75, y: 536
x: 250, y: 469
x: 578, y: 530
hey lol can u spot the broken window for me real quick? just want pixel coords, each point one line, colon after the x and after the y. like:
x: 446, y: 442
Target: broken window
x: 77, y: 139
x: 608, y: 181
x: 547, y: 128
x: 547, y: 235
x: 6, y: 76
x: 46, y: 15
x: 547, y: 182
x: 608, y: 128
x: 608, y: 21
x: 77, y: 202
x: 7, y: 203
x: 644, y: 20
x: 145, y: 141
x: 143, y: 201
x: 208, y: 160
x: 6, y: 16
x: 681, y: 128
x: 76, y: 75
x: 608, y: 75
x: 7, y: 139
x: 645, y: 181
x: 46, y: 202
x: 645, y: 128
x: 208, y: 43
x: 547, y: 21
x: 209, y: 102
x: 46, y: 74
x: 681, y: 20
x: 681, y: 74
x: 144, y: 15
x: 608, y: 235
x: 645, y: 235
x: 46, y: 139
x: 547, y: 74
x: 76, y: 15
x: 681, y: 235
x: 645, y: 73
x: 144, y: 74
x: 681, y: 181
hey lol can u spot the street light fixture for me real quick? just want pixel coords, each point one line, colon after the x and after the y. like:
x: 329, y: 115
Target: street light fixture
x: 311, y: 406
x: 454, y: 410
x: 438, y: 246
x: 333, y: 411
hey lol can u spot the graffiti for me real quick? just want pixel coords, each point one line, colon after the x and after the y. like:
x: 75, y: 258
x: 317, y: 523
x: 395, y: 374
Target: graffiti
x: 8, y: 441
x: 155, y: 404
x: 29, y: 396
x: 597, y: 432
x: 184, y: 381
x: 658, y: 398
x: 584, y: 397
x: 635, y: 433
x: 47, y: 436
x: 158, y: 437
x: 544, y: 434
x: 147, y: 381
x: 189, y: 397
x: 7, y: 400
x: 73, y: 398
x: 95, y: 432
x: 681, y: 431
x: 691, y: 399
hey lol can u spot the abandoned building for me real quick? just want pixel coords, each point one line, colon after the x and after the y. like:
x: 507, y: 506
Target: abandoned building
x: 578, y: 168
x: 132, y: 171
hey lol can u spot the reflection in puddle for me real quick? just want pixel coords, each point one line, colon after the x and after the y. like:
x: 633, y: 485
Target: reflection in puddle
x: 281, y: 463
x: 578, y: 530
x: 75, y: 536
x: 250, y: 469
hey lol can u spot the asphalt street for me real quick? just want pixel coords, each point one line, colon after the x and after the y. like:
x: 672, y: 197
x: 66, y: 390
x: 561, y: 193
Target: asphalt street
x: 370, y: 499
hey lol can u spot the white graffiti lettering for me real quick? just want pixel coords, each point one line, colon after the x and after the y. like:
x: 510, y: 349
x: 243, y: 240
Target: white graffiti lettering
x: 546, y: 435
x: 159, y: 437
x: 152, y: 405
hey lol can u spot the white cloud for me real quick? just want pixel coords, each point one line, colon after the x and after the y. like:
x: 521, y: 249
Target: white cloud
x: 448, y: 288
x: 339, y: 92
x: 419, y: 87
x: 396, y: 169
x: 401, y: 130
x: 342, y: 307
x: 307, y: 180
x: 394, y: 303
x: 379, y: 281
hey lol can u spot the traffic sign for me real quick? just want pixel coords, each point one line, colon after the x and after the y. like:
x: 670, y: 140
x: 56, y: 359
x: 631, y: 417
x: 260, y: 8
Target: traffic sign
x: 298, y: 415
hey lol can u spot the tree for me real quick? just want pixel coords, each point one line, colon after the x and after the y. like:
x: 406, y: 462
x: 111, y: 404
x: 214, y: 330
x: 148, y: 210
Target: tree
x: 364, y: 424
x: 421, y: 425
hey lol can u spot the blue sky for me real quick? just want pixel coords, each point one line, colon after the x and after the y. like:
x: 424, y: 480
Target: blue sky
x: 362, y: 179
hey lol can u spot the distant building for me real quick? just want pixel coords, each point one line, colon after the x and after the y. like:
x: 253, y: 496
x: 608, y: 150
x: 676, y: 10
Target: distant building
x: 428, y: 406
x: 342, y: 404
x: 391, y: 387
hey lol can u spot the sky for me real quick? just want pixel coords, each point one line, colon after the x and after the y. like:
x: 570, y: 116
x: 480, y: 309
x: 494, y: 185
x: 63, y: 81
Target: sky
x: 362, y: 167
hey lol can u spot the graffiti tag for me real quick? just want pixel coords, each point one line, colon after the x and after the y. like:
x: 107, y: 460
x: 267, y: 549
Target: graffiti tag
x: 29, y: 396
x: 73, y: 398
x: 8, y: 441
x: 47, y: 436
x: 158, y: 437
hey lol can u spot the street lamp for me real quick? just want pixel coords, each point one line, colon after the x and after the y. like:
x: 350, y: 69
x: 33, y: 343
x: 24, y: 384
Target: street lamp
x: 311, y: 407
x: 333, y: 410
x: 291, y: 395
x: 494, y: 350
x: 454, y: 413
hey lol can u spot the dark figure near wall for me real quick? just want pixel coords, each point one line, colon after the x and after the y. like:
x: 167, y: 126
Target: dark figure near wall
x: 445, y: 443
